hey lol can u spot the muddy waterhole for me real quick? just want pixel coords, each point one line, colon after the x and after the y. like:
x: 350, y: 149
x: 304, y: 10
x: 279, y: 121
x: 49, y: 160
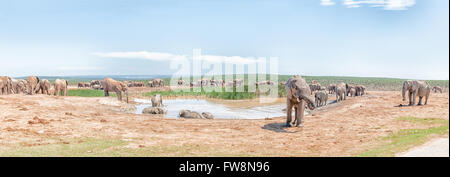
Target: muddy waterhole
x: 221, y: 111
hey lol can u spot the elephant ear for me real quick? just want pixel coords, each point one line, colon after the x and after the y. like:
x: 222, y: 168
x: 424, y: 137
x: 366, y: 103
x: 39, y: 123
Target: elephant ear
x: 292, y: 84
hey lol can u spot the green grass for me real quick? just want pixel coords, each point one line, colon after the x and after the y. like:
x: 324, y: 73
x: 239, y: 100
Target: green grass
x: 91, y: 147
x: 87, y: 93
x: 235, y: 94
x: 408, y: 138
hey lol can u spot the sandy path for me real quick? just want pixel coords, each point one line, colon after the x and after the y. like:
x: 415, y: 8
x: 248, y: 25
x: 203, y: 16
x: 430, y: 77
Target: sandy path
x: 343, y: 129
x: 434, y: 148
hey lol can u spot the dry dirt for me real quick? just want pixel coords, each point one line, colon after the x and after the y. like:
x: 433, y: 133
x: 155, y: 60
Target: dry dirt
x: 342, y: 129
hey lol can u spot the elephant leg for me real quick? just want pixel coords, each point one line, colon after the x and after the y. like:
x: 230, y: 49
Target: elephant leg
x: 410, y: 98
x: 65, y: 92
x: 119, y: 95
x: 296, y: 114
x: 289, y: 114
x: 426, y: 99
x: 301, y: 113
x: 414, y: 97
x: 420, y: 100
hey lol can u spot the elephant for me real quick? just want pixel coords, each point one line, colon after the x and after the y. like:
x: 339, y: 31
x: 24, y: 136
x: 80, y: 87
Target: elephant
x: 84, y: 84
x: 360, y: 90
x: 331, y: 88
x: 340, y: 91
x: 297, y: 95
x: 238, y: 82
x: 32, y: 84
x: 437, y: 89
x: 43, y: 87
x: 158, y: 83
x: 321, y: 98
x: 60, y: 87
x: 352, y: 92
x: 2, y: 87
x: 348, y: 87
x: 18, y: 86
x: 7, y: 85
x: 180, y: 82
x: 95, y: 82
x: 416, y: 88
x: 138, y: 84
x: 154, y: 110
x: 150, y: 84
x: 314, y: 87
x: 190, y: 114
x: 207, y: 115
x: 157, y: 101
x: 111, y: 85
x: 205, y: 82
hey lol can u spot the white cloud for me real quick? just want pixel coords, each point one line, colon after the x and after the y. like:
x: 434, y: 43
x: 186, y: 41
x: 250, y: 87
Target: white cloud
x: 157, y: 56
x: 385, y: 4
x: 399, y: 4
x: 327, y: 3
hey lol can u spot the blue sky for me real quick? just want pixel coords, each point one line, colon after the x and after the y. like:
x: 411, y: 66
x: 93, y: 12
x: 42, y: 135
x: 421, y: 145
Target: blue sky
x: 390, y: 38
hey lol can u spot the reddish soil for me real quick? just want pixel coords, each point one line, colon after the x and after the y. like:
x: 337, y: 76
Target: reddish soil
x: 342, y: 129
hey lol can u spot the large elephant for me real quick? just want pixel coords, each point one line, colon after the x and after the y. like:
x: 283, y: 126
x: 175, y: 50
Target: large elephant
x: 437, y: 89
x: 157, y: 101
x: 340, y: 91
x: 32, y: 84
x: 7, y: 85
x: 416, y: 88
x: 43, y: 87
x: 61, y: 87
x: 111, y: 85
x: 298, y: 93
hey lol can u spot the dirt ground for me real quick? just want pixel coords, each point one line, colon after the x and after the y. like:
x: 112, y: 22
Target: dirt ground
x: 343, y: 129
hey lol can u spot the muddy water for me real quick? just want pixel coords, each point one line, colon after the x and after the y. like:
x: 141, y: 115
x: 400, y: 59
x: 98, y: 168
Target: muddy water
x: 173, y: 107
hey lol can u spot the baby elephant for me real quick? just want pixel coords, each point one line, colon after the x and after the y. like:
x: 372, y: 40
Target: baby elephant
x: 437, y: 89
x: 190, y: 114
x: 321, y: 98
x: 157, y: 101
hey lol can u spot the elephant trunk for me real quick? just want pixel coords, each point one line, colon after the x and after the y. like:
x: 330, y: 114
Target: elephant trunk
x: 126, y: 94
x: 309, y: 101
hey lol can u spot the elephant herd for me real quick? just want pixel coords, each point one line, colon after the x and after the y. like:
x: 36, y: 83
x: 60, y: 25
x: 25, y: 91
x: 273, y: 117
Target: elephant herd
x: 95, y: 84
x: 213, y: 83
x: 32, y: 85
x: 298, y: 92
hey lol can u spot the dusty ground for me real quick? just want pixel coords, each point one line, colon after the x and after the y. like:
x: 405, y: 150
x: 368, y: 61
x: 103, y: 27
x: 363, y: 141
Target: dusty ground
x: 342, y: 129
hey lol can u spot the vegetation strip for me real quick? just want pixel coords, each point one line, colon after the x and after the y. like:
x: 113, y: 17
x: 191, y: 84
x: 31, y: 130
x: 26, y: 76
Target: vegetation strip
x: 408, y: 138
